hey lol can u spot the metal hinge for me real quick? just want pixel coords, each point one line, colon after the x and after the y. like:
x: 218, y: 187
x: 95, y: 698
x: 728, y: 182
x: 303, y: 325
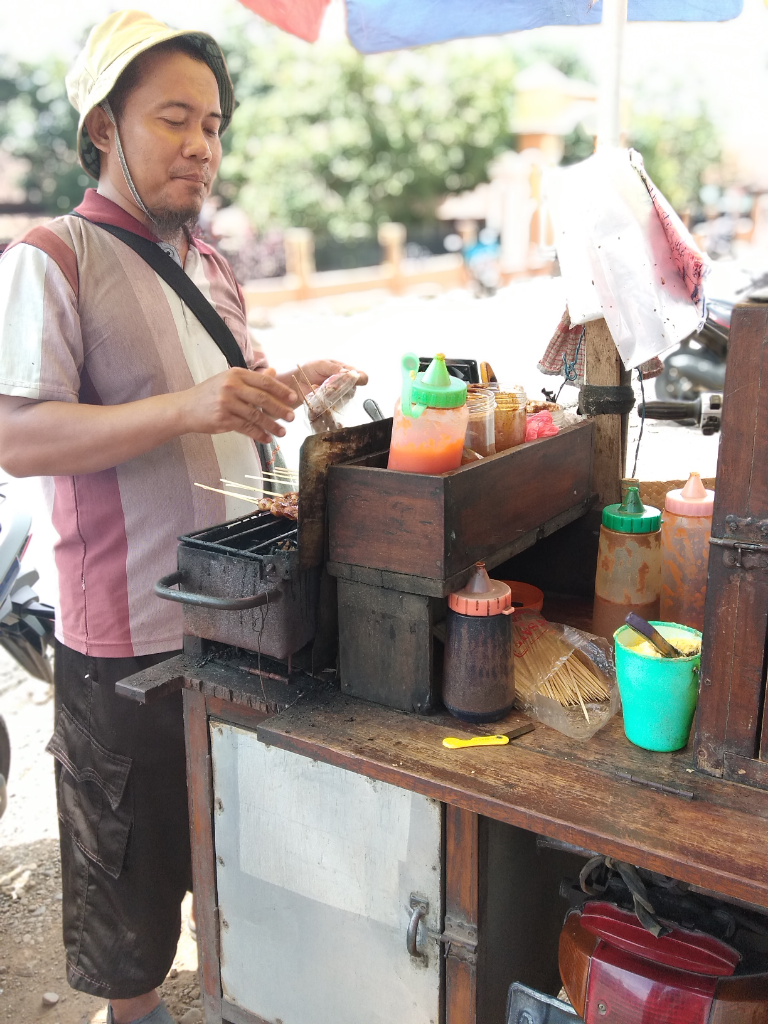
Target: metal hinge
x: 460, y: 940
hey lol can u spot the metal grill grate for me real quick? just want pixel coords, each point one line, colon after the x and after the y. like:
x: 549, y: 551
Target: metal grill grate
x: 252, y: 536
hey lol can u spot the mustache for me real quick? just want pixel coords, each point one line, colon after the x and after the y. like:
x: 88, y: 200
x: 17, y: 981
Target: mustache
x: 203, y: 173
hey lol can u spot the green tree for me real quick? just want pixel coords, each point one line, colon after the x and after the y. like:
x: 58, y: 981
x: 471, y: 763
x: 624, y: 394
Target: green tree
x: 38, y: 125
x: 329, y: 140
x: 677, y: 150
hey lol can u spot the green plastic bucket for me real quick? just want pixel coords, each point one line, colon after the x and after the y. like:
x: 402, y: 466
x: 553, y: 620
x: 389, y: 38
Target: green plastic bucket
x: 658, y: 695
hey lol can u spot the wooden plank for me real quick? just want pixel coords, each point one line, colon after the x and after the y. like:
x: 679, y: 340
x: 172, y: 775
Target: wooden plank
x: 386, y: 646
x: 507, y: 495
x: 234, y: 1014
x: 318, y: 453
x: 746, y: 770
x: 692, y: 840
x: 388, y: 520
x: 438, y: 526
x: 604, y: 366
x: 408, y: 584
x: 200, y: 791
x: 462, y: 914
x: 736, y: 613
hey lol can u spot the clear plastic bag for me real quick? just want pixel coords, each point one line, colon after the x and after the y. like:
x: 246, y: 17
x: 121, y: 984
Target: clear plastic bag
x: 324, y: 403
x: 564, y: 677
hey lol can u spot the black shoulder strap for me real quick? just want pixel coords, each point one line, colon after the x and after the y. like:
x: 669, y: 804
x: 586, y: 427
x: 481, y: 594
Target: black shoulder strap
x: 184, y: 287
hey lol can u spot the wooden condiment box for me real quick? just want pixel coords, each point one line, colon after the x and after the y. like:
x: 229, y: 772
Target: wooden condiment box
x: 399, y: 543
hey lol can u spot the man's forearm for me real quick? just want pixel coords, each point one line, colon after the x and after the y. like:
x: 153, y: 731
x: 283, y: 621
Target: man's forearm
x: 64, y: 439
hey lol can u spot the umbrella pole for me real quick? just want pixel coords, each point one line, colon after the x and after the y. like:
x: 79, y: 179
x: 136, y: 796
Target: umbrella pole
x: 609, y: 109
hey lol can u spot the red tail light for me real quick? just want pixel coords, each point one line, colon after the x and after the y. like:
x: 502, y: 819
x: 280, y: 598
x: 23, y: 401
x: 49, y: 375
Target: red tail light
x: 623, y: 989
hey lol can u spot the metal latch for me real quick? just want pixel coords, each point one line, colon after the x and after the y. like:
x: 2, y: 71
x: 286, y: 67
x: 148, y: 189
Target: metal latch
x: 756, y: 548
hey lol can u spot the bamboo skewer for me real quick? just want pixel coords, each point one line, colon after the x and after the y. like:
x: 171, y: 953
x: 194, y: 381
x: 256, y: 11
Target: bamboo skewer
x: 552, y: 667
x: 303, y: 396
x: 229, y: 494
x: 306, y: 378
x: 261, y: 490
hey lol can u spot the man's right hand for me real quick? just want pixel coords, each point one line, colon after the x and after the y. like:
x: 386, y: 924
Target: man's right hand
x: 247, y: 401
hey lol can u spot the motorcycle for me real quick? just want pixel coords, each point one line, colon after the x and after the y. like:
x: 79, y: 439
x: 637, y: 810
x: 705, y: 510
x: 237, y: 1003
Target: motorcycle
x: 26, y: 623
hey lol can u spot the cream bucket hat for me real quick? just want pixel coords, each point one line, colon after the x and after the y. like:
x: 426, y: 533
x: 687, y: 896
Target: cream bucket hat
x: 110, y: 48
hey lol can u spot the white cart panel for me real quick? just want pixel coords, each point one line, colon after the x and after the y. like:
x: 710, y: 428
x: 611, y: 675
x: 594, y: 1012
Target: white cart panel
x: 317, y: 868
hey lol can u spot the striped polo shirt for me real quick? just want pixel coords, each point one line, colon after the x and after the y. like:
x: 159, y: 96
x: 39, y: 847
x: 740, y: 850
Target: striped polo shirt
x: 84, y: 319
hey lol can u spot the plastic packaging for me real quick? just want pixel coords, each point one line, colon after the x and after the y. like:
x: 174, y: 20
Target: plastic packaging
x: 628, y: 577
x: 430, y: 421
x: 658, y: 694
x: 564, y: 678
x: 685, y: 531
x: 326, y: 401
x: 540, y: 425
x: 480, y: 437
x: 509, y: 417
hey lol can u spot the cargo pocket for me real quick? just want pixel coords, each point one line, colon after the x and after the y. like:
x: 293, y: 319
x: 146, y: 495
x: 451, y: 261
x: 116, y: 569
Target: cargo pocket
x: 92, y: 802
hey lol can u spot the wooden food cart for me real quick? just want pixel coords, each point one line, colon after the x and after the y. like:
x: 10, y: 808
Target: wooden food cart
x: 348, y: 868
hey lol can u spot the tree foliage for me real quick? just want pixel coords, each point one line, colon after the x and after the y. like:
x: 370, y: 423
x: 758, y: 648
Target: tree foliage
x: 329, y: 140
x: 677, y: 149
x: 39, y: 126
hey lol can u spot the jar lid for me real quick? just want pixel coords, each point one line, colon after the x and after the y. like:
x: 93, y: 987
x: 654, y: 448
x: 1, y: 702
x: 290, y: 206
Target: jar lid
x: 692, y: 500
x: 482, y: 595
x: 632, y: 516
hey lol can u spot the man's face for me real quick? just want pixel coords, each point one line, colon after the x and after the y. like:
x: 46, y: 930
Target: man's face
x: 169, y: 128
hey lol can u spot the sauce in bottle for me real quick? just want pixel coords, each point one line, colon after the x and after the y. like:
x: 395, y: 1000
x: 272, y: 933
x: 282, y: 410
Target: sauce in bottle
x: 628, y: 577
x: 430, y: 419
x: 685, y: 530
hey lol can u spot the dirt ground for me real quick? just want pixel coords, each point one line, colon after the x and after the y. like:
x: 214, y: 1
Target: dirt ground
x: 31, y: 952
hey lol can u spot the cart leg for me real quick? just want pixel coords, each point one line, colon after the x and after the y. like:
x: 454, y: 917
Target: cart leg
x: 200, y: 793
x: 462, y: 884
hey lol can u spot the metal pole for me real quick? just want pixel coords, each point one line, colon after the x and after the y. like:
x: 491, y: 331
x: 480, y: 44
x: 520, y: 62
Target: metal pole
x: 609, y: 111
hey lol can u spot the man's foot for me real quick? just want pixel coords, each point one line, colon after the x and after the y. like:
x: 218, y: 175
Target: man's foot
x: 159, y: 1015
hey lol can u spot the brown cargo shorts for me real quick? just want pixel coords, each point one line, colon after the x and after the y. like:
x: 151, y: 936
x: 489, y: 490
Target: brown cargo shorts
x: 121, y: 790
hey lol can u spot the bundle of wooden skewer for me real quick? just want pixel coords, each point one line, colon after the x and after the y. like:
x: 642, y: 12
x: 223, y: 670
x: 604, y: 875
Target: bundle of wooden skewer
x: 546, y: 663
x: 283, y: 503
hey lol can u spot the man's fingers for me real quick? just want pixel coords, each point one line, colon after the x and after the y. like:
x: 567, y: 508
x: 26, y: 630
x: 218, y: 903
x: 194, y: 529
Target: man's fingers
x: 257, y: 399
x: 253, y: 419
x: 269, y: 383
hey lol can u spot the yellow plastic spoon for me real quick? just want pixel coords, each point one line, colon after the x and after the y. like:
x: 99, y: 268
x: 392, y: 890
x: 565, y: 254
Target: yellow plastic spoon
x: 454, y: 743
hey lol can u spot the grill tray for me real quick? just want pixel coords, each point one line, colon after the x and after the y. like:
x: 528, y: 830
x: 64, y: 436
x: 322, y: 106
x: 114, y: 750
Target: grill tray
x: 256, y: 536
x: 235, y: 562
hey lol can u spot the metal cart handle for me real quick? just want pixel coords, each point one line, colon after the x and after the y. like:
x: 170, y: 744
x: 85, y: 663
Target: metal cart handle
x: 222, y: 604
x: 419, y: 910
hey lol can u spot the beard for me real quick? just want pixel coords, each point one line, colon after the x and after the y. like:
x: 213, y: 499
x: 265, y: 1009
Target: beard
x: 169, y: 223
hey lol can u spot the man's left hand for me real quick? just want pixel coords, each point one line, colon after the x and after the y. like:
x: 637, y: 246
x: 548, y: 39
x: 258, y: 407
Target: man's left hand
x: 316, y: 372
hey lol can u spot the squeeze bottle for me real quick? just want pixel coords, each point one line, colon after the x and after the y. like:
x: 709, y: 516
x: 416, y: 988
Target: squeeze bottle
x: 431, y: 419
x: 685, y: 531
x: 478, y: 669
x: 628, y: 577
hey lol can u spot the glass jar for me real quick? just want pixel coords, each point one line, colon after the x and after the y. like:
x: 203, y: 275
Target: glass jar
x: 509, y: 417
x: 481, y: 429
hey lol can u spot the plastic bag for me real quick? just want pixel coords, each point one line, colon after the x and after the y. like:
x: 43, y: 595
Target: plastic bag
x: 325, y: 402
x: 619, y: 259
x: 564, y: 677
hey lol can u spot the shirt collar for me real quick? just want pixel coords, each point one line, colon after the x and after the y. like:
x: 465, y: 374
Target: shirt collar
x: 97, y: 208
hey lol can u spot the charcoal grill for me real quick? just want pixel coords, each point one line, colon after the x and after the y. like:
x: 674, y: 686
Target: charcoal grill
x: 255, y: 582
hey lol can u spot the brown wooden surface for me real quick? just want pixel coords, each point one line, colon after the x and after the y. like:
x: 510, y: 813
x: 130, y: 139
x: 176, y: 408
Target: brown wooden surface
x: 318, y: 453
x: 437, y: 526
x: 408, y: 584
x: 558, y: 787
x: 603, y: 366
x: 200, y: 792
x: 386, y: 646
x: 730, y: 712
x: 462, y: 914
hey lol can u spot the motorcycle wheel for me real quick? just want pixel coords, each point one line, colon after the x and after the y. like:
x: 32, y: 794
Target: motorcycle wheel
x: 5, y: 764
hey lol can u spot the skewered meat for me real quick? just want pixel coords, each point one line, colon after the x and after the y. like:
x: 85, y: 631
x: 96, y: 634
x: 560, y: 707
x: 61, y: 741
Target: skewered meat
x: 285, y: 506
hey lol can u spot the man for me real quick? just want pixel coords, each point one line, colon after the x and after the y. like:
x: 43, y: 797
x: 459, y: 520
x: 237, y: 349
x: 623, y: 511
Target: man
x: 111, y: 386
